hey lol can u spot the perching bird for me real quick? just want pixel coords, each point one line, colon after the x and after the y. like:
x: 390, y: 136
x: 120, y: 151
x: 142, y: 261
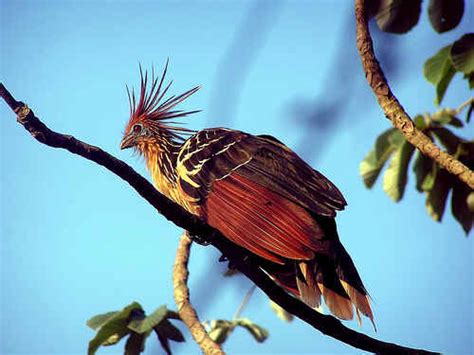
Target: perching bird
x: 256, y: 192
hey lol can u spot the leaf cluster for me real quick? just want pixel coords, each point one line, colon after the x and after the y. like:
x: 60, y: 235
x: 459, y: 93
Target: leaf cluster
x: 431, y: 180
x: 133, y: 323
x: 400, y: 16
x: 456, y: 57
x: 219, y: 330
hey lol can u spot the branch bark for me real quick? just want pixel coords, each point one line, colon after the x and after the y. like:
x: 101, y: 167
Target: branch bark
x: 182, y: 298
x: 392, y: 108
x: 240, y: 258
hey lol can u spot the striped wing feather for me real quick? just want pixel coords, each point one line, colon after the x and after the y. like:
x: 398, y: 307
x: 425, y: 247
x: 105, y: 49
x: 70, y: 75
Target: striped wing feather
x: 281, y: 170
x: 261, y: 159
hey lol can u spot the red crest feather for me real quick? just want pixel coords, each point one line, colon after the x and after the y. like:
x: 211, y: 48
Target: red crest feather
x: 151, y: 109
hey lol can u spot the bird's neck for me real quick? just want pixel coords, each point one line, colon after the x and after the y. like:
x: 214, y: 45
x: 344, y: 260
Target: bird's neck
x: 161, y: 158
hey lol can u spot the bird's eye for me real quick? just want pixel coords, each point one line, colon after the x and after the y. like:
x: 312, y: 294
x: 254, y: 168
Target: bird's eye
x: 137, y: 128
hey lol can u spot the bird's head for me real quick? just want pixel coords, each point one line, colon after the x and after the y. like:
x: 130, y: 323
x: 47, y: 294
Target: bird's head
x: 149, y: 122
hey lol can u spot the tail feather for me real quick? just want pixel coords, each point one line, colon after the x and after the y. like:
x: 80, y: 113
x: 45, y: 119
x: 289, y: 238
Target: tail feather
x: 335, y: 297
x: 360, y: 301
x: 307, y: 286
x: 335, y: 279
x: 352, y: 284
x: 339, y: 305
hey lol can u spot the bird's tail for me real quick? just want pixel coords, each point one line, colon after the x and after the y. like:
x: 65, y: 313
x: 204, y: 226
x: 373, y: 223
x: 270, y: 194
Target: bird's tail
x: 332, y: 278
x: 336, y: 279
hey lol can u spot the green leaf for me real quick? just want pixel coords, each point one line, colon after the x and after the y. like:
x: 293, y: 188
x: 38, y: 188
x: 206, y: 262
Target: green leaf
x: 165, y: 344
x: 462, y: 54
x: 260, y: 334
x: 114, y: 329
x: 442, y: 119
x: 462, y: 206
x: 422, y: 167
x: 420, y: 122
x: 469, y: 111
x: 447, y: 138
x: 447, y: 116
x: 220, y: 330
x: 100, y: 319
x: 429, y: 180
x: 395, y: 177
x: 443, y: 84
x: 470, y: 81
x: 439, y: 71
x: 168, y: 330
x: 373, y: 163
x: 395, y: 138
x: 148, y: 323
x: 456, y: 122
x: 135, y: 344
x: 470, y: 202
x: 436, y: 197
x: 445, y: 14
x: 370, y: 169
x: 397, y: 16
x: 172, y: 315
x: 433, y: 67
x: 281, y: 312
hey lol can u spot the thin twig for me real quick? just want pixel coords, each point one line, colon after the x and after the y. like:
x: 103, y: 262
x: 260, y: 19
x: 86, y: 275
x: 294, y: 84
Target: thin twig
x: 461, y: 107
x: 238, y: 256
x: 393, y: 109
x: 182, y: 298
x: 244, y: 302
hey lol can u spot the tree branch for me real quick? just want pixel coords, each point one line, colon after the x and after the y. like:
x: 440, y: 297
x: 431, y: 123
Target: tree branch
x: 393, y: 109
x: 182, y: 298
x: 175, y: 213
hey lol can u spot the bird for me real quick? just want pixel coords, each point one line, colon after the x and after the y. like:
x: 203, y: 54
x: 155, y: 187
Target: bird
x: 255, y: 191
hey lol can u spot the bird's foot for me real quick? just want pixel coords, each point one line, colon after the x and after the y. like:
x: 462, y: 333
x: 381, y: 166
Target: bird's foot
x: 198, y: 239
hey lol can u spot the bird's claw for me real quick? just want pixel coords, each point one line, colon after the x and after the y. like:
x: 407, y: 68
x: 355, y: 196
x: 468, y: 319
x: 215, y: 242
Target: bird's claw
x: 198, y: 239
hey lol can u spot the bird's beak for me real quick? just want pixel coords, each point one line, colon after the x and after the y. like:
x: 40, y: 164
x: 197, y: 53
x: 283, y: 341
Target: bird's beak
x: 127, y: 142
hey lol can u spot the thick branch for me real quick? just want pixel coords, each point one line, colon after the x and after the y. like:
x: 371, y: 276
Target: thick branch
x: 393, y: 110
x: 175, y: 213
x: 182, y: 298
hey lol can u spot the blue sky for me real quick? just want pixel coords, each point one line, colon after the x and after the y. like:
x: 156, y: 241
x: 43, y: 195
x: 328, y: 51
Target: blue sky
x: 76, y: 241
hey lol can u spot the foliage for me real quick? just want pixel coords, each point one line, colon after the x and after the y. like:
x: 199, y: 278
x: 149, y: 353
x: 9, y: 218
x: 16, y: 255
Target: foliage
x: 400, y: 16
x: 132, y: 321
x: 220, y: 329
x: 456, y: 57
x: 430, y: 179
x: 445, y: 14
x: 281, y: 312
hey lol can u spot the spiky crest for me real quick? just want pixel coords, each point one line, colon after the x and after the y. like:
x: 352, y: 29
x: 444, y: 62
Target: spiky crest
x: 154, y: 112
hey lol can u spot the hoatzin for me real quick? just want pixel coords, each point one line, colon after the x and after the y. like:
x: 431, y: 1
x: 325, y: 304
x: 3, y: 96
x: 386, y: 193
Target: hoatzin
x: 256, y: 192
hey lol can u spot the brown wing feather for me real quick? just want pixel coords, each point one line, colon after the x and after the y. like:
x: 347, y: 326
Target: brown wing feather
x: 213, y: 154
x: 262, y: 221
x: 284, y: 172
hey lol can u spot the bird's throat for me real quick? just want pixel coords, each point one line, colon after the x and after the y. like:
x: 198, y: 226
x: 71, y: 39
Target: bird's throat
x: 160, y: 161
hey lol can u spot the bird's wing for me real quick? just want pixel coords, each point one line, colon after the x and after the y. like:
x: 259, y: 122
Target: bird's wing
x: 257, y: 192
x: 279, y: 169
x: 212, y: 155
